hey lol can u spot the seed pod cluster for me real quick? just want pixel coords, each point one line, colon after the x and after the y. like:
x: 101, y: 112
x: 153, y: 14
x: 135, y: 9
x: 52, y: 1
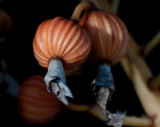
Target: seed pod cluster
x: 62, y: 45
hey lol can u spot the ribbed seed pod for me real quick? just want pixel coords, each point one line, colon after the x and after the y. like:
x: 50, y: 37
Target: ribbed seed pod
x: 36, y: 105
x: 110, y: 43
x: 61, y: 38
x: 60, y: 45
x: 109, y: 35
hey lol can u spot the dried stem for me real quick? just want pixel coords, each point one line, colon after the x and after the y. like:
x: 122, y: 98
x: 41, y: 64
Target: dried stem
x: 92, y: 109
x: 137, y: 121
x: 151, y: 44
x: 115, y: 6
x: 100, y: 104
x: 128, y: 121
x: 141, y: 64
x: 78, y: 10
x: 79, y: 107
x: 149, y: 100
x: 99, y: 109
x: 155, y: 82
x: 101, y: 4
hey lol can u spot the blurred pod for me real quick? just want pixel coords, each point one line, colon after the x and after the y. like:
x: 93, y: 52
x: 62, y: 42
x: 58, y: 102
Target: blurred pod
x: 6, y: 23
x: 36, y: 105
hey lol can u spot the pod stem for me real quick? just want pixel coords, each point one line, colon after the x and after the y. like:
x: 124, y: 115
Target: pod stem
x: 78, y: 10
x: 55, y: 80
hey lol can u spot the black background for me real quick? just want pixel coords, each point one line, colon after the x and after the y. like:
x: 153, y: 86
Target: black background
x: 142, y: 21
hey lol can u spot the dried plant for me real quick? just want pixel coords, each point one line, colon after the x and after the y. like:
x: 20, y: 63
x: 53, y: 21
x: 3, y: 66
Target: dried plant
x: 139, y: 73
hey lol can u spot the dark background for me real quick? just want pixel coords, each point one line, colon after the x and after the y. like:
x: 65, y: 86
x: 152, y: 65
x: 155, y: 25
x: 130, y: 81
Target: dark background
x: 142, y: 21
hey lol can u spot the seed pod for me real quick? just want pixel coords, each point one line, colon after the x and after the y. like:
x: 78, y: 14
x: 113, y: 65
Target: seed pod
x: 6, y: 23
x: 110, y: 43
x: 60, y: 44
x: 109, y: 35
x: 36, y: 105
x: 63, y: 39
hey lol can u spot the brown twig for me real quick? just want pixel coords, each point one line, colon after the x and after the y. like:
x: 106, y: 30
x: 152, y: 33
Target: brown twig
x: 115, y: 6
x: 78, y: 10
x: 141, y: 64
x: 155, y: 82
x: 79, y: 107
x: 148, y: 100
x: 137, y: 121
x: 151, y: 44
x: 102, y: 4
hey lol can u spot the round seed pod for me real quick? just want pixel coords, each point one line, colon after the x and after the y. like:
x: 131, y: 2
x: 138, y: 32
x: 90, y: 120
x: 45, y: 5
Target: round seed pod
x: 36, y: 105
x: 110, y: 39
x: 62, y: 39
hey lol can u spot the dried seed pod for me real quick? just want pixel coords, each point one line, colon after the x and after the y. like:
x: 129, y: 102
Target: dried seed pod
x: 63, y: 39
x: 109, y: 35
x: 110, y: 43
x: 36, y: 105
x: 6, y: 23
x: 60, y: 43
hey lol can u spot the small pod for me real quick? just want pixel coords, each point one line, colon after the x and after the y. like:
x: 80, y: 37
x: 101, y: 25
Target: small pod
x: 36, y: 105
x: 61, y: 46
x: 6, y: 23
x: 63, y: 39
x: 109, y: 35
x: 110, y: 42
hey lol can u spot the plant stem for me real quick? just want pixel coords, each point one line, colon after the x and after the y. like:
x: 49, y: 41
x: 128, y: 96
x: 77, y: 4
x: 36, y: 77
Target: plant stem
x: 141, y: 64
x: 155, y: 82
x: 137, y: 121
x: 115, y: 5
x: 79, y: 107
x: 100, y: 104
x: 79, y: 9
x: 101, y: 4
x: 149, y: 100
x: 151, y: 44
